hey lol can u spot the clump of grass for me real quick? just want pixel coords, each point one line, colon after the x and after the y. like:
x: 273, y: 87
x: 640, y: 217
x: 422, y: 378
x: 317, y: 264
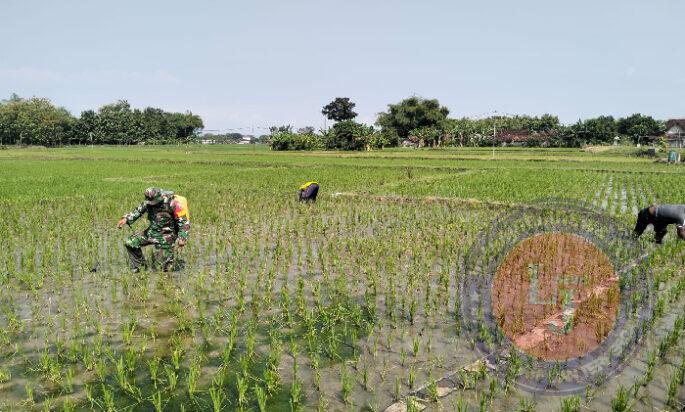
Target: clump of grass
x: 619, y: 403
x: 526, y: 405
x: 673, y: 388
x: 262, y: 397
x: 217, y: 396
x: 411, y: 377
x: 412, y: 404
x: 570, y: 404
x: 346, y: 383
x: 432, y: 388
x: 5, y: 375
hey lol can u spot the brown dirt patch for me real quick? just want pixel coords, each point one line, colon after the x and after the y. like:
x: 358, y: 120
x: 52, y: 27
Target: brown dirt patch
x: 556, y: 296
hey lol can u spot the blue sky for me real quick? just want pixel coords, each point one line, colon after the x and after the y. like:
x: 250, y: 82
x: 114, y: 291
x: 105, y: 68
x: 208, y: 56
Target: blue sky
x: 245, y: 64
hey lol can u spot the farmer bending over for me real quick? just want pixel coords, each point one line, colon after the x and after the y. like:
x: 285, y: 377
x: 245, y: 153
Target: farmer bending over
x: 308, y: 192
x: 660, y: 216
x: 169, y: 225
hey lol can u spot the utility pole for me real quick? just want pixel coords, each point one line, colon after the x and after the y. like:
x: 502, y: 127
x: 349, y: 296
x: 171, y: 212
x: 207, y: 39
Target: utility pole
x: 494, y: 137
x: 494, y: 132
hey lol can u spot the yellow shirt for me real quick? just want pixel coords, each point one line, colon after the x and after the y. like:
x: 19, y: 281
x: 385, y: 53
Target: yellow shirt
x: 306, y: 185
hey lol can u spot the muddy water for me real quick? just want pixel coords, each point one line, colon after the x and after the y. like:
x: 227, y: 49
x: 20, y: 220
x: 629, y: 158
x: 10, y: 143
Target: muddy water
x: 90, y: 309
x: 650, y: 396
x: 398, y: 249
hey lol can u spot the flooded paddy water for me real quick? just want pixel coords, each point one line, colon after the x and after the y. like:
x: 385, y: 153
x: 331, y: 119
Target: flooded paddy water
x: 353, y: 303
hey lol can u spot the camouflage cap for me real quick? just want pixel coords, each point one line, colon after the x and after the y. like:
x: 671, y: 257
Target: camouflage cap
x: 153, y: 196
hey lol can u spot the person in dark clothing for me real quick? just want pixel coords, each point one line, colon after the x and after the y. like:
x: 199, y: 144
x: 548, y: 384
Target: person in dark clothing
x: 308, y: 192
x: 660, y: 216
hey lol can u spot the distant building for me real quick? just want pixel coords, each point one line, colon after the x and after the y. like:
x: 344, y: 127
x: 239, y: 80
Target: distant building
x: 513, y: 137
x: 409, y: 142
x: 675, y: 133
x: 522, y: 138
x: 247, y: 139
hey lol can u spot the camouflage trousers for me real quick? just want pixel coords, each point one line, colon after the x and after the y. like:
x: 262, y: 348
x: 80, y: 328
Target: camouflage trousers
x: 163, y: 242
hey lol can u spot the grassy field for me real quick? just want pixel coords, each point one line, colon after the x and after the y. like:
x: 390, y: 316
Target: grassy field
x: 352, y: 303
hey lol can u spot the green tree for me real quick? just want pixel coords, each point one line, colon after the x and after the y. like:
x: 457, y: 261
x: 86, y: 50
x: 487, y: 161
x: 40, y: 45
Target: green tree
x: 286, y: 140
x: 37, y: 121
x: 281, y: 129
x: 347, y: 135
x: 461, y: 131
x: 542, y: 124
x: 340, y: 109
x: 115, y: 123
x: 156, y: 124
x: 388, y: 137
x: 600, y: 129
x: 428, y: 136
x: 573, y: 135
x: 413, y: 113
x: 183, y: 127
x: 640, y: 128
x: 34, y: 121
x: 263, y: 139
x: 86, y: 128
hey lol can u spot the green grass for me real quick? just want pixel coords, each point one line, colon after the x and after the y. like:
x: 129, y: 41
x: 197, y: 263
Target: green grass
x: 328, y: 298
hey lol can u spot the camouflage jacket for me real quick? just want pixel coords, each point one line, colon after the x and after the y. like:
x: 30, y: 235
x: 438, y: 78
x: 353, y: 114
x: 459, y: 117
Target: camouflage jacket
x: 169, y: 214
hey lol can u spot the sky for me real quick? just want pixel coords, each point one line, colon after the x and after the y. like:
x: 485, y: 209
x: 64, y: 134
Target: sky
x: 246, y: 65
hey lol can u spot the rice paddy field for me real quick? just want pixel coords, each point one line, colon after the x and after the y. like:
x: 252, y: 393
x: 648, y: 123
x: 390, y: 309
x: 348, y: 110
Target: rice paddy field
x: 360, y: 301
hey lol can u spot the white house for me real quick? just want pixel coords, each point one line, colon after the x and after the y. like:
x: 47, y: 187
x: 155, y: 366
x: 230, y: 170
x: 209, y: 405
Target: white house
x: 675, y: 132
x: 247, y: 139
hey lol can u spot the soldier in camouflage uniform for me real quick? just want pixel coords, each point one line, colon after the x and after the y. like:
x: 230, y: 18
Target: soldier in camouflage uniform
x: 169, y: 225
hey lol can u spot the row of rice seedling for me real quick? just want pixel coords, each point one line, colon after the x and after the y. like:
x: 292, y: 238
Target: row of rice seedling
x: 352, y: 303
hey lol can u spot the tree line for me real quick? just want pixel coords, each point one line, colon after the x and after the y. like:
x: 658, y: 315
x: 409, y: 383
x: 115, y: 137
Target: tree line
x: 36, y: 121
x: 413, y: 121
x: 421, y: 122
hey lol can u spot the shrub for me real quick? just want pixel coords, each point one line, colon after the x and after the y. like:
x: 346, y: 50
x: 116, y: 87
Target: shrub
x: 427, y: 136
x: 294, y: 141
x: 348, y: 135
